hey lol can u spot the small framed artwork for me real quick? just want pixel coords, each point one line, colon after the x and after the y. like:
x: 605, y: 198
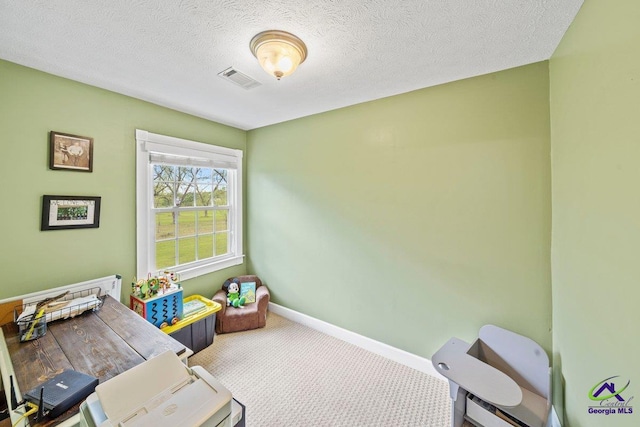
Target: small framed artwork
x: 67, y: 212
x: 70, y: 152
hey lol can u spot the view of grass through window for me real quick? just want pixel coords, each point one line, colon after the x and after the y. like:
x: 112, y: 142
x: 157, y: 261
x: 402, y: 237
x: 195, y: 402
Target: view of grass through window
x: 191, y: 214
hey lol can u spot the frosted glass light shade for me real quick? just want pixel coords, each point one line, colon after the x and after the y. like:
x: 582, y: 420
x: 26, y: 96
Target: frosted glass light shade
x: 278, y: 52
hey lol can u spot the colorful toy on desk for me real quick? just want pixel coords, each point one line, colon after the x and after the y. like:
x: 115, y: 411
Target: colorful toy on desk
x: 155, y: 285
x: 158, y: 298
x: 233, y: 294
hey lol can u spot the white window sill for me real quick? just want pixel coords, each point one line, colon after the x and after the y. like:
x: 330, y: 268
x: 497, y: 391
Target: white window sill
x: 189, y: 272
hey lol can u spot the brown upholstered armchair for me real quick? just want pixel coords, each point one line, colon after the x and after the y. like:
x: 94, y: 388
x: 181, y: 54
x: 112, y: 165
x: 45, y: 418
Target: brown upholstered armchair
x: 251, y: 316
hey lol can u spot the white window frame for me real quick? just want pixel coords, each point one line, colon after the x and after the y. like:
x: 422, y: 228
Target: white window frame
x: 228, y: 158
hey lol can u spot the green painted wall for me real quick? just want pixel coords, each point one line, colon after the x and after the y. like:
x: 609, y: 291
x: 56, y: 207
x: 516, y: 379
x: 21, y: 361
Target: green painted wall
x: 408, y: 219
x: 33, y: 103
x: 595, y: 133
x: 413, y: 218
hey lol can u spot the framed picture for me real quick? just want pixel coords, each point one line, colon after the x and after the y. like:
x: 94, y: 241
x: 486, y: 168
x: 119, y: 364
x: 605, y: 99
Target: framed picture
x: 66, y: 212
x: 70, y: 152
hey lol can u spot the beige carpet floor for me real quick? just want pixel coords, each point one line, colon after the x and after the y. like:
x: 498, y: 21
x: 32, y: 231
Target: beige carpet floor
x: 290, y: 375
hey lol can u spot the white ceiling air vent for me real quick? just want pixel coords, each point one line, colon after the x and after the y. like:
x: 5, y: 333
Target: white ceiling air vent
x: 239, y: 78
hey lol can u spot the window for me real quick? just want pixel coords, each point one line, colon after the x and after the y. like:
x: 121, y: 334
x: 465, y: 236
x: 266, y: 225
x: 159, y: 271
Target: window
x: 189, y: 206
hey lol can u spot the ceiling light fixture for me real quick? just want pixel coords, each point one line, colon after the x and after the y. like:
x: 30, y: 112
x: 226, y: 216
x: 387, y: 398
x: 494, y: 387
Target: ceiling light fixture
x: 278, y: 52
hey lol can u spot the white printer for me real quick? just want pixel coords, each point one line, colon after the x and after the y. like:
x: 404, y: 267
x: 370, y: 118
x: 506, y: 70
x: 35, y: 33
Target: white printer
x: 161, y: 392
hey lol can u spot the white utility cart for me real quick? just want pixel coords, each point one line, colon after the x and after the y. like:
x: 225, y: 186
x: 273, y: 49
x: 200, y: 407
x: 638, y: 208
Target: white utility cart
x: 503, y: 379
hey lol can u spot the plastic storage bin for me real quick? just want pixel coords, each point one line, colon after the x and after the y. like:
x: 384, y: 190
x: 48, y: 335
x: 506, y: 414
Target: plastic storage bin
x: 195, y: 330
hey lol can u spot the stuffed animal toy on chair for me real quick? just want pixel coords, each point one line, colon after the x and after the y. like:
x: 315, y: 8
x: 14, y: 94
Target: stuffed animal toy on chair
x: 233, y: 295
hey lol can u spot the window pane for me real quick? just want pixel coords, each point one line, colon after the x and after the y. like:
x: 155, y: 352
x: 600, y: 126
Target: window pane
x: 165, y: 254
x: 163, y: 184
x: 184, y: 195
x: 185, y: 173
x: 222, y: 220
x: 186, y: 224
x: 220, y: 176
x: 165, y: 227
x: 204, y: 175
x: 205, y: 246
x: 205, y: 222
x: 163, y: 195
x: 164, y: 173
x: 203, y: 195
x: 187, y: 250
x: 220, y: 195
x: 221, y: 243
x: 220, y: 181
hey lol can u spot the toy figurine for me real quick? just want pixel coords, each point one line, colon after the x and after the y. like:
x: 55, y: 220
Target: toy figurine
x: 233, y: 295
x: 154, y: 285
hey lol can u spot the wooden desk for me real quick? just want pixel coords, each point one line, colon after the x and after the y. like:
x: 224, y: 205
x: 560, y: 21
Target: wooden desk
x: 103, y: 343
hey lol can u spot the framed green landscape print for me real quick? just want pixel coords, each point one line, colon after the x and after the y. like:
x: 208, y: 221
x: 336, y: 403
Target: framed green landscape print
x: 68, y: 212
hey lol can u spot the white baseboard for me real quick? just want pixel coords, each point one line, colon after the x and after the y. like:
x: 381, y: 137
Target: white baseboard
x: 408, y: 359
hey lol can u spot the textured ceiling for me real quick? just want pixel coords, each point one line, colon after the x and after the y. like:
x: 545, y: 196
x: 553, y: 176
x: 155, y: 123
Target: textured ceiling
x: 169, y: 52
